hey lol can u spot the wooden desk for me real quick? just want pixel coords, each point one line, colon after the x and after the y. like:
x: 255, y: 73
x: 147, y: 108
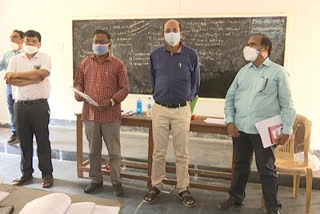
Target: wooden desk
x: 197, y: 125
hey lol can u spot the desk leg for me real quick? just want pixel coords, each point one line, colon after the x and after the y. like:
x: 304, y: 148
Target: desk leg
x: 150, y: 152
x: 79, y: 146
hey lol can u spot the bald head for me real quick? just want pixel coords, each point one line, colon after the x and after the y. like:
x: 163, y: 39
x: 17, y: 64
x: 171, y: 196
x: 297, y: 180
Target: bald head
x: 172, y: 25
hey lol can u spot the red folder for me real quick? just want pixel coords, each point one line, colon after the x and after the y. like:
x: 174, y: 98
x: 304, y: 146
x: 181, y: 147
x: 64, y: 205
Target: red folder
x: 275, y: 132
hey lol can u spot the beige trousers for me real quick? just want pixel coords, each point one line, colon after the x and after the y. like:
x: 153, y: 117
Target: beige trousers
x: 179, y: 119
x: 110, y: 132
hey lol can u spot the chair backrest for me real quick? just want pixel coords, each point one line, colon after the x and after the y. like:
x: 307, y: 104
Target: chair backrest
x: 300, y: 139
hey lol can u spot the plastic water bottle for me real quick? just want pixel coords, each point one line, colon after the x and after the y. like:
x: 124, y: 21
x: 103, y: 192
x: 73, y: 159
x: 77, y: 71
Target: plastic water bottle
x: 139, y: 107
x: 149, y: 107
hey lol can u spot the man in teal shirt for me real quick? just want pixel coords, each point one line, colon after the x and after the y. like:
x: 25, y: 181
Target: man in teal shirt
x: 17, y: 38
x: 259, y: 91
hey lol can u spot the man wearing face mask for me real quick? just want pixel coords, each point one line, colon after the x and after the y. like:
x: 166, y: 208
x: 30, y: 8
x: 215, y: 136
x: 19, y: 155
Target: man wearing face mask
x: 259, y: 91
x: 29, y: 75
x: 104, y: 78
x: 17, y: 38
x: 175, y: 79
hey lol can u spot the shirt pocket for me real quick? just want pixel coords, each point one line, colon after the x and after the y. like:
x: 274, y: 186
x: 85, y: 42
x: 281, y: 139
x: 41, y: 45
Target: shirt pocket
x: 269, y: 86
x: 183, y: 72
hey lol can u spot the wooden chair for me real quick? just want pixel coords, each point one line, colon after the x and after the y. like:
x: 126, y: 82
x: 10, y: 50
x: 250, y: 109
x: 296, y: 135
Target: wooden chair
x: 286, y: 163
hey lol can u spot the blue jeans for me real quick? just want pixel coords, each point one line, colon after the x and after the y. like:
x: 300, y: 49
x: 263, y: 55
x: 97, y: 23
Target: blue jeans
x: 10, y: 102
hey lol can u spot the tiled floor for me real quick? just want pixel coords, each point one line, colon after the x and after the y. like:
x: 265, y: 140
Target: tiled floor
x: 216, y: 153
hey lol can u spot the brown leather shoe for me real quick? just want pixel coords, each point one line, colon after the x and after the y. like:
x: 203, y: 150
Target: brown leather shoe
x: 22, y: 180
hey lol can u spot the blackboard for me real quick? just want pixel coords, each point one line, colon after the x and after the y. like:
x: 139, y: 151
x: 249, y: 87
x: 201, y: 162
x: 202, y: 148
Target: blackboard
x: 219, y: 42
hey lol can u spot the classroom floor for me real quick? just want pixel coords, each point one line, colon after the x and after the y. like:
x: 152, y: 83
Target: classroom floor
x: 134, y: 145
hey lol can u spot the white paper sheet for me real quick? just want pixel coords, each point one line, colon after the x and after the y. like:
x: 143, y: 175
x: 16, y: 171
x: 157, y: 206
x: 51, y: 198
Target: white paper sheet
x: 81, y: 208
x: 221, y: 121
x: 3, y: 195
x: 86, y: 97
x: 106, y: 209
x: 128, y: 113
x: 263, y: 130
x: 55, y: 203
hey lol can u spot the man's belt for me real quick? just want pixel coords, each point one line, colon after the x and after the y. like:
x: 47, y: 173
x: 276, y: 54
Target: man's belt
x: 172, y: 105
x: 31, y: 101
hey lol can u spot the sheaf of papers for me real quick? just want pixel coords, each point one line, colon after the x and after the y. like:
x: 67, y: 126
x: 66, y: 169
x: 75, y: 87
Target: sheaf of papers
x: 86, y: 97
x: 60, y: 203
x: 3, y: 195
x: 263, y: 129
x: 221, y: 121
x: 128, y: 113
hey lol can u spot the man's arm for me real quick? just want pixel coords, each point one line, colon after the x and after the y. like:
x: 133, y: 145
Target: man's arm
x: 22, y: 82
x: 230, y: 110
x: 152, y: 74
x: 2, y: 63
x: 79, y: 82
x: 288, y: 113
x: 36, y: 75
x: 195, y: 77
x: 124, y: 86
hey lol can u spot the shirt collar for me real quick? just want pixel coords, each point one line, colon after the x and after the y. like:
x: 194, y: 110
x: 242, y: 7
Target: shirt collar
x: 109, y: 57
x: 266, y: 62
x: 165, y: 48
x: 35, y: 56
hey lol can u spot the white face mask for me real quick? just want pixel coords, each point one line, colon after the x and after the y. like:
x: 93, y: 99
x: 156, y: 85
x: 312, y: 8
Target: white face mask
x: 250, y: 54
x: 30, y: 49
x: 13, y: 46
x: 172, y: 38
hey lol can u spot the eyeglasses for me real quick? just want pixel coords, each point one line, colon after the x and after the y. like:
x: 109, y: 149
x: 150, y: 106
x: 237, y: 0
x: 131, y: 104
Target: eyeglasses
x: 173, y: 30
x: 14, y: 37
x: 96, y: 42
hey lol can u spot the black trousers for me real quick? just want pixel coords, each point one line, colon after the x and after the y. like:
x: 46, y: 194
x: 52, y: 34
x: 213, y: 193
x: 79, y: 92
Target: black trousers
x: 243, y: 148
x: 33, y: 119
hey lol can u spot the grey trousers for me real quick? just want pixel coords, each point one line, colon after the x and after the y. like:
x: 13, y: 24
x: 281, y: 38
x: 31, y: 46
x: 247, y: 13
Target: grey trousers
x: 110, y: 132
x: 30, y: 120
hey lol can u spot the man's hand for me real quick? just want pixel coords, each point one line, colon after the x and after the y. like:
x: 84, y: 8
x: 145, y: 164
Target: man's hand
x: 78, y: 97
x: 9, y: 76
x: 232, y: 130
x: 282, y: 139
x: 104, y: 105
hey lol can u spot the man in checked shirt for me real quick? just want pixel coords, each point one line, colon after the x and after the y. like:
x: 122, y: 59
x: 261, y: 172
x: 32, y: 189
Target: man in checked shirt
x: 104, y: 78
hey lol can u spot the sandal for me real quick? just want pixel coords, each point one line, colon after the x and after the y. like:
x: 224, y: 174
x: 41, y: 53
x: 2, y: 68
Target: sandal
x: 152, y: 195
x: 187, y: 198
x: 47, y: 181
x: 20, y: 181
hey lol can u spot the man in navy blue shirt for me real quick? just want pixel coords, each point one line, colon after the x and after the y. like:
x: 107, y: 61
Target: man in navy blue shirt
x: 175, y: 79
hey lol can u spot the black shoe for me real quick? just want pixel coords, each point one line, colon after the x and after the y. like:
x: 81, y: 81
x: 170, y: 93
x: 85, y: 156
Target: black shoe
x: 229, y: 204
x: 117, y: 189
x: 274, y: 212
x: 13, y: 139
x: 92, y: 187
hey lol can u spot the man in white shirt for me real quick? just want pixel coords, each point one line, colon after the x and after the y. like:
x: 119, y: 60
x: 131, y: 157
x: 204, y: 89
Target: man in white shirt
x: 17, y: 39
x: 28, y: 73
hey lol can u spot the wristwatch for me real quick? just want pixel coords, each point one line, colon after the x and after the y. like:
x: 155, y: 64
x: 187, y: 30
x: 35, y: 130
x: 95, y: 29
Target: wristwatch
x: 112, y: 102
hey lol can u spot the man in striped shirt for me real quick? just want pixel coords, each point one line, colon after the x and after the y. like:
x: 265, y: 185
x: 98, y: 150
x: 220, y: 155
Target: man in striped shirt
x: 104, y: 78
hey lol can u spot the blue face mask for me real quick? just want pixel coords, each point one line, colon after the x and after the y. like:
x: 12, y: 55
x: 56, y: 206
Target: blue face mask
x: 99, y: 49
